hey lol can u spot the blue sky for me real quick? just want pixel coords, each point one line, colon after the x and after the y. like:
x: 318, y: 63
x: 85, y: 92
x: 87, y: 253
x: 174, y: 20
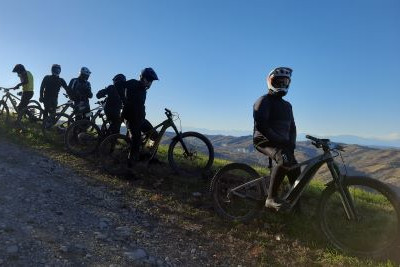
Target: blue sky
x: 212, y: 56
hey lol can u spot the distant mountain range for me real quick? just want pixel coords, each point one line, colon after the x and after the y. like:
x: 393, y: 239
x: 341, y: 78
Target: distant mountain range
x: 347, y: 139
x: 382, y: 164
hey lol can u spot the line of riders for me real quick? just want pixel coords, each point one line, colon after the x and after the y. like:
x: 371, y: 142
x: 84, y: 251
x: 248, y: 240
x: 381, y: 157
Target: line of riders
x: 274, y: 126
x: 125, y: 99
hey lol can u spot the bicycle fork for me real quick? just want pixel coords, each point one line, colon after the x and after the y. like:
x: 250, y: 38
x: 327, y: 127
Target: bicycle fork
x: 345, y: 196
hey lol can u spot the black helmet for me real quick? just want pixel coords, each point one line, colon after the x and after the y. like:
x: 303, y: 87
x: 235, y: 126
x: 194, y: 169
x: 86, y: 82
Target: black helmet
x: 56, y: 69
x: 19, y: 68
x: 149, y: 74
x: 119, y: 78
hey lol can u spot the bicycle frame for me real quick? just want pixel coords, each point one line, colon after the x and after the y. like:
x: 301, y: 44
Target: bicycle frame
x: 311, y: 167
x: 164, y: 126
x: 9, y: 97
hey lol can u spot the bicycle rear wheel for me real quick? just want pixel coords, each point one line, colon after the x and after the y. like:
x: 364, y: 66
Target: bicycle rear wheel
x: 28, y: 115
x: 198, y: 157
x: 4, y: 112
x: 113, y: 152
x: 82, y: 137
x: 377, y: 226
x: 243, y: 204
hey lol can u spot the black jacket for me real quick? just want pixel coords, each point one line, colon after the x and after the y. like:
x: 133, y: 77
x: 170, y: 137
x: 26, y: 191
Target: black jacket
x: 80, y: 90
x: 50, y: 87
x: 274, y: 122
x: 113, y: 101
x: 135, y: 98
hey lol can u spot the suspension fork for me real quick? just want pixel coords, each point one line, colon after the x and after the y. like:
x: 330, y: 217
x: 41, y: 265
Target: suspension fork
x: 180, y: 139
x: 345, y: 196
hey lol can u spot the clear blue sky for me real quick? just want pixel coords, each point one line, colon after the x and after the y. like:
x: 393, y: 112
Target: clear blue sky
x: 212, y: 56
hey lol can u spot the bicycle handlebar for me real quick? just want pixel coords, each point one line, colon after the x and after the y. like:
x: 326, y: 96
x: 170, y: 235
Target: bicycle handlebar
x: 168, y: 112
x: 324, y: 143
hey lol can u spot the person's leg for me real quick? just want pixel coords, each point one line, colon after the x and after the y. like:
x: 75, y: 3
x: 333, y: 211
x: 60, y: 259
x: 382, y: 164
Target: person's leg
x: 135, y: 130
x: 115, y: 123
x: 26, y: 96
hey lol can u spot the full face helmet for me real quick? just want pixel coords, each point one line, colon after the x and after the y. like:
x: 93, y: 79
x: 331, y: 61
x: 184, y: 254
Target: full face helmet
x: 278, y: 80
x: 56, y: 69
x: 85, y: 73
x: 149, y: 74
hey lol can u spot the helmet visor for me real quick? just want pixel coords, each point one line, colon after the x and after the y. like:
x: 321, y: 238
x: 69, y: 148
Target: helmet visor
x: 280, y: 82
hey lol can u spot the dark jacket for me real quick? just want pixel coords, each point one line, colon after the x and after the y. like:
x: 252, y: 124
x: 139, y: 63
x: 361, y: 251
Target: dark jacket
x: 135, y: 98
x: 80, y: 90
x: 113, y: 101
x: 274, y: 124
x: 50, y: 87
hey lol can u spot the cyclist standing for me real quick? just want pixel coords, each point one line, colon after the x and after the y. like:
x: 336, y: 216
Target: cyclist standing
x: 27, y: 85
x: 275, y: 132
x: 80, y: 92
x: 49, y: 90
x: 113, y: 104
x: 134, y: 111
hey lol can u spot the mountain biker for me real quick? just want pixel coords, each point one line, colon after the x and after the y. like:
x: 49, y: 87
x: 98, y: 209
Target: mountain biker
x: 134, y: 111
x: 27, y: 85
x: 113, y: 104
x: 49, y: 90
x: 275, y: 132
x: 80, y: 92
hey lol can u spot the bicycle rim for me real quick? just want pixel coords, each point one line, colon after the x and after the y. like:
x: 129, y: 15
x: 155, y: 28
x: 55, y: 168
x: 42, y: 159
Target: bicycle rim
x: 114, y: 152
x: 197, y: 158
x: 231, y: 206
x: 4, y: 112
x: 82, y: 137
x: 377, y: 227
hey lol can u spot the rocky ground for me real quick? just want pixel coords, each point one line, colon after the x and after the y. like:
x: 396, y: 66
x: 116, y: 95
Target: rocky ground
x: 50, y: 215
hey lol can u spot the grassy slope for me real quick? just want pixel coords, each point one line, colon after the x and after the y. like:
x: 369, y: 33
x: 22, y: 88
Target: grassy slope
x: 273, y: 239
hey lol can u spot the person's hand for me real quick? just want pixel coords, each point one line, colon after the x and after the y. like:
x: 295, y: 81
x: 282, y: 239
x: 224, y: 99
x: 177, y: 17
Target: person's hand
x: 41, y: 99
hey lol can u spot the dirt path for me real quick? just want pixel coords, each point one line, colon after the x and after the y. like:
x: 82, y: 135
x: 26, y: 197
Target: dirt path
x: 50, y: 215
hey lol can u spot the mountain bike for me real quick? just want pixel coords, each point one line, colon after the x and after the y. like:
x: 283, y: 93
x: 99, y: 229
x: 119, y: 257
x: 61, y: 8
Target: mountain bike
x: 32, y: 112
x: 356, y: 214
x: 188, y: 152
x: 56, y: 124
x: 83, y: 137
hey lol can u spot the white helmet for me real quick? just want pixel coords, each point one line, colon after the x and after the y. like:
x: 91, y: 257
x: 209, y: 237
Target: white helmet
x: 85, y: 71
x: 277, y: 84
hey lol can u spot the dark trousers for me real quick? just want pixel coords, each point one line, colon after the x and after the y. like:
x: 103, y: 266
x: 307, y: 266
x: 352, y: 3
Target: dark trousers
x: 50, y: 107
x: 283, y: 157
x: 26, y: 96
x: 115, y: 123
x: 136, y: 126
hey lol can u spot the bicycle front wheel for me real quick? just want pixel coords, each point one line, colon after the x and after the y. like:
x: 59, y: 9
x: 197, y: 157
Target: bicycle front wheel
x: 82, y: 137
x: 194, y: 154
x: 376, y: 228
x: 241, y: 204
x: 113, y: 152
x: 4, y: 112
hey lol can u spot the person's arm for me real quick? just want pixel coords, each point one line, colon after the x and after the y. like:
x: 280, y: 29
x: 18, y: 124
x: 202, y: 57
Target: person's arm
x: 42, y: 88
x: 102, y: 93
x: 65, y: 86
x: 261, y: 114
x: 24, y: 80
x: 89, y: 93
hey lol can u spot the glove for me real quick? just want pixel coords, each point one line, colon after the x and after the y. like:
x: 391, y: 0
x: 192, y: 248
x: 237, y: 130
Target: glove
x: 41, y: 99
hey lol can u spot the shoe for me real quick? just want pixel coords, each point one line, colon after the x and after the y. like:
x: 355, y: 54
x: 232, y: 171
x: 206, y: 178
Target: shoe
x: 276, y: 204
